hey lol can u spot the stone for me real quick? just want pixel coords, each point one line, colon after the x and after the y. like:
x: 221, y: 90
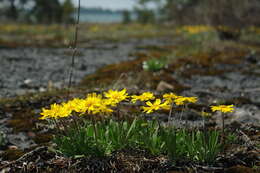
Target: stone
x: 12, y: 147
x: 162, y: 86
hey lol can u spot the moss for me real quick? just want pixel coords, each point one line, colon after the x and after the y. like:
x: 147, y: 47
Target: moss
x: 33, y: 97
x: 12, y: 154
x: 156, y: 48
x: 225, y: 57
x: 110, y: 73
x: 22, y: 108
x: 23, y: 120
x: 205, y: 63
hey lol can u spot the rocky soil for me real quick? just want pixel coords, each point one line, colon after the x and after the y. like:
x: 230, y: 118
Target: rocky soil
x: 24, y: 70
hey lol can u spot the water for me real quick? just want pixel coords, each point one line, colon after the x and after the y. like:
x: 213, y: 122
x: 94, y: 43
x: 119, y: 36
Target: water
x: 101, y: 18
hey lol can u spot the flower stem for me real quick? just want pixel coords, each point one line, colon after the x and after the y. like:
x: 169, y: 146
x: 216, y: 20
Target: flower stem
x: 76, y: 124
x: 186, y: 120
x: 223, y: 129
x: 57, y: 126
x: 182, y: 110
x: 170, y: 114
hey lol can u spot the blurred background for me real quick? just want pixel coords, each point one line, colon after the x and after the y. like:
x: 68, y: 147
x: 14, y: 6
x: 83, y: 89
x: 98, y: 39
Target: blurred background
x: 35, y: 35
x: 239, y: 13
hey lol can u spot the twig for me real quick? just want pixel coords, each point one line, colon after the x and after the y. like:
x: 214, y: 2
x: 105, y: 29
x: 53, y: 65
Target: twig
x: 74, y: 49
x: 246, y: 139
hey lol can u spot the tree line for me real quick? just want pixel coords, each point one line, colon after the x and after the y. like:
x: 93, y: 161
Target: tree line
x: 234, y: 13
x: 37, y: 11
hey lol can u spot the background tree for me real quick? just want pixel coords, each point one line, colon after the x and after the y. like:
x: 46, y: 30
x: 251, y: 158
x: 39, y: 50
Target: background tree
x: 233, y: 13
x: 42, y: 11
x: 12, y: 8
x: 144, y: 14
x: 126, y: 17
x: 47, y: 11
x: 67, y: 11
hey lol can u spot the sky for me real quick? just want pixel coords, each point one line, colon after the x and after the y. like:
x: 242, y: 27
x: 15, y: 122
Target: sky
x: 108, y: 4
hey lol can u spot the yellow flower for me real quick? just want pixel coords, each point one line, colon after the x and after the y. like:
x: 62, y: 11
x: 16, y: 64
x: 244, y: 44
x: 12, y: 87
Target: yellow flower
x: 153, y: 106
x: 46, y: 113
x: 92, y: 103
x: 182, y: 100
x: 116, y: 97
x: 77, y: 105
x: 196, y: 29
x: 87, y: 105
x: 63, y: 112
x: 144, y: 97
x: 108, y: 102
x: 103, y: 109
x: 166, y: 105
x: 191, y: 99
x: 73, y: 104
x: 223, y: 108
x: 56, y: 111
x: 170, y: 97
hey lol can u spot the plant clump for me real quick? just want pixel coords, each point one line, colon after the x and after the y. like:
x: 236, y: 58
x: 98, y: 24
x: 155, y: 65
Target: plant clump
x: 81, y: 132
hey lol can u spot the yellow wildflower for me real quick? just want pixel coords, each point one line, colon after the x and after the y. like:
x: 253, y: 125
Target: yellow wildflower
x: 103, y: 109
x: 143, y: 97
x: 153, y: 106
x: 191, y: 99
x: 64, y: 112
x: 92, y: 103
x: 72, y: 104
x: 116, y: 97
x: 223, y: 108
x: 166, y: 105
x: 108, y: 102
x: 77, y: 105
x: 182, y: 100
x: 56, y: 111
x: 46, y: 113
x: 170, y: 97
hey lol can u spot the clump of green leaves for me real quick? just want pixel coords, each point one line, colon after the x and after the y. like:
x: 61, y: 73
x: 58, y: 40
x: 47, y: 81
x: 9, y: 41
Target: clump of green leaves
x: 82, y: 141
x: 150, y: 137
x: 101, y: 138
x: 203, y: 146
x: 154, y: 64
x: 194, y: 145
x: 104, y: 137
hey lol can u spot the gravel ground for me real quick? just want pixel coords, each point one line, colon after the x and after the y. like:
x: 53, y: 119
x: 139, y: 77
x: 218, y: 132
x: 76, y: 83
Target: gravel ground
x: 25, y: 70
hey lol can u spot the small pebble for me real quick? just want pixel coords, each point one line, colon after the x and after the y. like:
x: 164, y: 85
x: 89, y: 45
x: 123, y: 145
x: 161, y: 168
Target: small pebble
x: 12, y: 147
